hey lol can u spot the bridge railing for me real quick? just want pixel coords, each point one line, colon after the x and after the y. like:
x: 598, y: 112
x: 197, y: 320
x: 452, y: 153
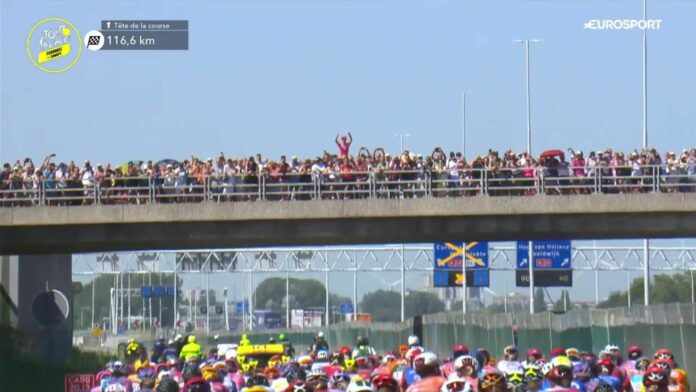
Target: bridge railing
x: 328, y: 185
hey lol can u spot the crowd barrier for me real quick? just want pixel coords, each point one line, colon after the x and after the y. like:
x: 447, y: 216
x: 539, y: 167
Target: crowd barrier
x: 344, y: 185
x: 670, y: 326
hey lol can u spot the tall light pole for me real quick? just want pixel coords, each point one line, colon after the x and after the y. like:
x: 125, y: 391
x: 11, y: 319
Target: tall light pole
x: 401, y: 137
x: 529, y: 151
x: 464, y: 124
x: 529, y: 118
x: 646, y: 242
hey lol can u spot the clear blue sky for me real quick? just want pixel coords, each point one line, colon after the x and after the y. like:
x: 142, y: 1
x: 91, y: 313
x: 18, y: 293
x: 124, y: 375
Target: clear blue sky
x: 284, y: 77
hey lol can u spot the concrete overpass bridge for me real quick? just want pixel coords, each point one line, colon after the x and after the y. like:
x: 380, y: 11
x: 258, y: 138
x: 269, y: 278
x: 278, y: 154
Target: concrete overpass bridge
x: 38, y: 242
x: 44, y: 229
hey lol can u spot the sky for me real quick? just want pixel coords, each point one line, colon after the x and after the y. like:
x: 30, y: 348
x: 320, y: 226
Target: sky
x: 284, y: 77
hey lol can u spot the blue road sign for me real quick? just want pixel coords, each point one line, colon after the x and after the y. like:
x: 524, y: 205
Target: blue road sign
x: 160, y: 291
x: 146, y: 291
x: 170, y: 291
x: 345, y: 308
x: 480, y: 278
x: 448, y: 255
x: 555, y: 254
x: 242, y: 307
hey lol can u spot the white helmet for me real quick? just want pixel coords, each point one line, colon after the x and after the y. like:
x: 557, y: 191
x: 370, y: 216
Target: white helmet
x: 231, y: 353
x: 455, y: 383
x: 465, y: 360
x: 413, y: 340
x: 322, y: 355
x: 358, y: 384
x: 546, y: 368
x: 426, y: 359
x: 116, y: 387
x: 611, y: 347
x: 320, y: 334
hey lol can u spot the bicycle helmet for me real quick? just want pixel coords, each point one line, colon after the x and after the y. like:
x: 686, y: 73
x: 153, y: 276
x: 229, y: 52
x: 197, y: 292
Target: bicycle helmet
x: 605, y: 366
x: 665, y: 364
x: 345, y: 351
x: 196, y: 384
x: 573, y: 353
x: 316, y: 376
x: 458, y: 350
x: 532, y: 374
x: 385, y: 380
x: 466, y: 361
x: 305, y: 361
x: 557, y: 351
x: 514, y: 378
x: 455, y: 384
x: 642, y: 364
x: 358, y: 384
x: 322, y: 355
x: 561, y: 369
x: 168, y: 385
x: 413, y: 340
x: 339, y: 377
x: 483, y: 356
x: 534, y: 353
x: 118, y: 369
x: 605, y: 386
x: 116, y: 387
x: 611, y: 348
x: 634, y: 352
x: 257, y: 380
x: 663, y: 353
x: 655, y: 376
x: 491, y: 377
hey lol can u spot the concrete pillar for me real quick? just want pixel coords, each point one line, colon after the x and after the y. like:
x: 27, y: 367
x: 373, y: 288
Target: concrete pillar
x: 45, y: 304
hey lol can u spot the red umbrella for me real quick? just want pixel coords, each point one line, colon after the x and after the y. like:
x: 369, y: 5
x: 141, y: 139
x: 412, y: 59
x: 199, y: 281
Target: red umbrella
x: 551, y: 154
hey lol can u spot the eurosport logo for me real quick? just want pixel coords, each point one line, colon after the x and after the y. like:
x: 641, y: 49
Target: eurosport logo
x: 623, y: 24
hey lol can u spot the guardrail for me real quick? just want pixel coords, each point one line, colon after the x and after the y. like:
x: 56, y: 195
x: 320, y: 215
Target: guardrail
x: 345, y: 185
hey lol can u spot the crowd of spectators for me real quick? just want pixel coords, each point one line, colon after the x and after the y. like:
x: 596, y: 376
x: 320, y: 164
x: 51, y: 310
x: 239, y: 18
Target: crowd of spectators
x: 344, y: 175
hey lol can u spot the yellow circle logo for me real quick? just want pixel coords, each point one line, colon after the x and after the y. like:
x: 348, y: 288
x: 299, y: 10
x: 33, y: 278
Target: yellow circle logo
x: 54, y: 45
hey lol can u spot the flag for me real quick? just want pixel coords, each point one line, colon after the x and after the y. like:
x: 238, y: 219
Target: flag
x: 93, y: 40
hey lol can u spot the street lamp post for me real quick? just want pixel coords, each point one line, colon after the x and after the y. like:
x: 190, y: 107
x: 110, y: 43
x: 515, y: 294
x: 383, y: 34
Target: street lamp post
x: 401, y: 137
x: 529, y: 118
x: 646, y: 242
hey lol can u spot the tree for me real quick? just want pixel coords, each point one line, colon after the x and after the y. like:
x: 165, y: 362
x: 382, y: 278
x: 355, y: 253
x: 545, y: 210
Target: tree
x: 539, y: 302
x: 563, y: 304
x: 304, y: 293
x: 385, y: 305
x: 663, y: 289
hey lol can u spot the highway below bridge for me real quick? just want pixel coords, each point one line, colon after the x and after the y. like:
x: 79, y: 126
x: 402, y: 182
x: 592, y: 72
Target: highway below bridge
x: 42, y: 230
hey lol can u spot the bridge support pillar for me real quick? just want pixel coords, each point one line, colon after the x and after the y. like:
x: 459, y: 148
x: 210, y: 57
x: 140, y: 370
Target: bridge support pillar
x: 44, y: 306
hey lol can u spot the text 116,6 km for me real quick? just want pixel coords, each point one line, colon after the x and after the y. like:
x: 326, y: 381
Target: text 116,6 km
x: 132, y: 40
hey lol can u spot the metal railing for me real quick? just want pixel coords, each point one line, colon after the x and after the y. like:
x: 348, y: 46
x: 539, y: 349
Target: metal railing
x: 346, y: 185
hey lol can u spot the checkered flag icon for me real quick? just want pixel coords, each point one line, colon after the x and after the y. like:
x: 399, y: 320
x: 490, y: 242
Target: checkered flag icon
x: 93, y: 40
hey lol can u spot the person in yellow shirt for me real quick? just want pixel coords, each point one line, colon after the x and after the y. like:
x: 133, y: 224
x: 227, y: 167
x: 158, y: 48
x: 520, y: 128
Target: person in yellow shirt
x: 190, y: 350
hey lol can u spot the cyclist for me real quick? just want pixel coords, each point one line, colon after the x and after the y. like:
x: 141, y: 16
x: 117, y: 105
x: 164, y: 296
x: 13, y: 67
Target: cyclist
x: 534, y: 355
x: 427, y: 366
x: 117, y: 381
x: 491, y: 380
x: 510, y: 360
x: 561, y: 375
x: 320, y: 343
x: 191, y: 350
x: 655, y: 380
x: 158, y: 350
x: 363, y: 348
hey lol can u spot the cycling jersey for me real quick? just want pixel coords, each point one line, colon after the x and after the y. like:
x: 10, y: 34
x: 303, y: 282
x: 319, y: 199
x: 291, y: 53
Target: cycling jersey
x: 510, y: 366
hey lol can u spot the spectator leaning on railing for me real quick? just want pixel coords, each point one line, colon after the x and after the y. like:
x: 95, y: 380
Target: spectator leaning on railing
x: 402, y: 175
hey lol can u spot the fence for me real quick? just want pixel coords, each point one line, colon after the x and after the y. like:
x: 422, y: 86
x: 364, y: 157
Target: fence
x: 343, y: 185
x: 670, y: 326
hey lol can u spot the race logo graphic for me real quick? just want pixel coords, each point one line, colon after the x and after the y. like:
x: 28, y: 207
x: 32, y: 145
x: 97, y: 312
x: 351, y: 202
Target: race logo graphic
x: 94, y: 40
x: 54, y: 45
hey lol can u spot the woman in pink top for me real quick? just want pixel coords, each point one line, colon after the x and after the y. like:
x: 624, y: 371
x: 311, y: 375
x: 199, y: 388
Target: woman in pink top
x: 344, y: 144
